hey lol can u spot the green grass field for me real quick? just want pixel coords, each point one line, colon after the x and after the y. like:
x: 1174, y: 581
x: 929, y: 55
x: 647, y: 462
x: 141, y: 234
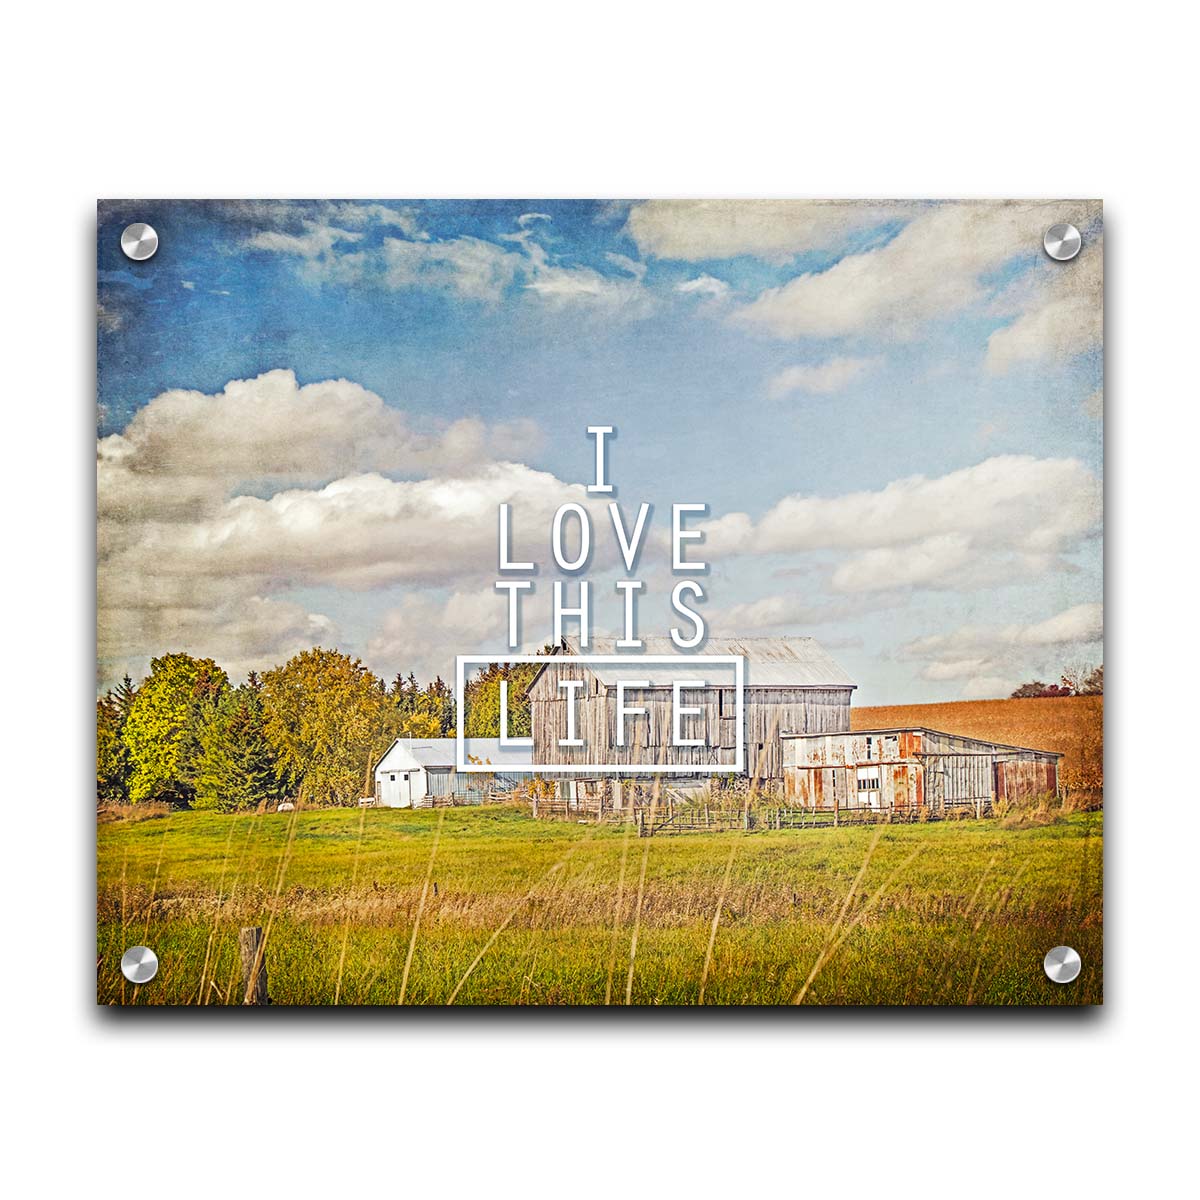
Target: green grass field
x: 524, y: 912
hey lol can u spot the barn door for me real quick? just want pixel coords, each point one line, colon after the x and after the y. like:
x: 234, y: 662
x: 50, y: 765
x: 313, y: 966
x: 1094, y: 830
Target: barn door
x: 869, y: 786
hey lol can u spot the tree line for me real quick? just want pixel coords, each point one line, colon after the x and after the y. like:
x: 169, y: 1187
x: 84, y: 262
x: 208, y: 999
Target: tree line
x: 312, y: 729
x: 1078, y: 680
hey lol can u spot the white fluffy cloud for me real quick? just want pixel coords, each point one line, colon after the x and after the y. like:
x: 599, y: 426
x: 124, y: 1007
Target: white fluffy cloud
x: 424, y: 632
x: 241, y: 632
x: 360, y: 531
x: 819, y: 378
x: 1062, y: 314
x: 297, y: 215
x: 775, y: 230
x: 1009, y: 516
x: 993, y: 660
x: 469, y: 267
x: 562, y: 287
x: 186, y: 448
x: 314, y: 242
x: 787, y: 612
x: 706, y: 286
x: 473, y: 268
x: 210, y: 506
x: 924, y: 562
x: 938, y: 264
x: 356, y: 214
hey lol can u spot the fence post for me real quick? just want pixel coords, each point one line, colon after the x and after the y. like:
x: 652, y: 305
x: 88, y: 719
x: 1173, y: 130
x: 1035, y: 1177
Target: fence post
x: 254, y: 965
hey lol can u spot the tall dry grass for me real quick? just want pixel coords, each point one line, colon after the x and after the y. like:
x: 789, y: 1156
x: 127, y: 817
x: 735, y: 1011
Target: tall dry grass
x: 150, y: 811
x: 485, y: 906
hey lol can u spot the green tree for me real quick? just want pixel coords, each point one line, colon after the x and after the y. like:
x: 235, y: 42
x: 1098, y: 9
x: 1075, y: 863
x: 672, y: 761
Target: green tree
x: 161, y: 730
x: 236, y: 767
x: 327, y: 719
x: 422, y: 712
x: 441, y: 705
x: 420, y: 724
x: 113, y: 763
x: 482, y: 700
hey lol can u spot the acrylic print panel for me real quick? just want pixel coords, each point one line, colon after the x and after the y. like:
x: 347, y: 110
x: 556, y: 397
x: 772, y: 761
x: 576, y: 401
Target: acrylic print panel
x: 597, y: 602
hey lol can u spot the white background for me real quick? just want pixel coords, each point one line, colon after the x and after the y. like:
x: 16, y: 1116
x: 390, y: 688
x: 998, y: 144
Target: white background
x: 988, y: 99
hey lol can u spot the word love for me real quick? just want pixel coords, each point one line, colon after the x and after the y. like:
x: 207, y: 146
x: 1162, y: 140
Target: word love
x: 571, y: 544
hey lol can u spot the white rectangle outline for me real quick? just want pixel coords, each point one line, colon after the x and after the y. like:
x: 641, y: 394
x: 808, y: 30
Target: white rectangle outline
x: 630, y: 660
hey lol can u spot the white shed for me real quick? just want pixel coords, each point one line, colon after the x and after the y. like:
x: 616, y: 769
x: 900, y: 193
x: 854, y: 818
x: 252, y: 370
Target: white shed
x: 416, y: 772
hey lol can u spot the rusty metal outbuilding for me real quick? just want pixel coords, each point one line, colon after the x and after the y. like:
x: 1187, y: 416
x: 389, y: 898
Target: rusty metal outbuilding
x: 913, y: 769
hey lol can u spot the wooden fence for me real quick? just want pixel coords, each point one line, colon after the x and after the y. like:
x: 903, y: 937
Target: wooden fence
x: 471, y: 799
x: 676, y: 818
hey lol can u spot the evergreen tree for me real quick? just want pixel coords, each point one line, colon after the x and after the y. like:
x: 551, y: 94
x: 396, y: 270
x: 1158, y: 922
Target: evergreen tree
x: 441, y: 705
x: 123, y: 695
x: 236, y: 767
x: 113, y: 763
x: 421, y: 712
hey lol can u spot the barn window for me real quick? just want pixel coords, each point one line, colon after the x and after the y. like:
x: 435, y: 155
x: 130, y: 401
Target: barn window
x: 392, y: 778
x: 868, y: 779
x: 868, y: 749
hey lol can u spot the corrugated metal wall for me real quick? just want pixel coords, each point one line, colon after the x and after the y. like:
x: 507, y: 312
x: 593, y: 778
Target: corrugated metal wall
x: 915, y: 768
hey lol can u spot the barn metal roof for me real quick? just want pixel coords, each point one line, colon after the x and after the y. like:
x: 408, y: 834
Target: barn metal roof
x: 859, y: 733
x: 439, y: 752
x: 770, y: 661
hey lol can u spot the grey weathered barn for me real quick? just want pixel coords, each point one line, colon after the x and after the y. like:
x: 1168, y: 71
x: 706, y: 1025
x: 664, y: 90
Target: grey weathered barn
x: 791, y: 685
x: 912, y: 769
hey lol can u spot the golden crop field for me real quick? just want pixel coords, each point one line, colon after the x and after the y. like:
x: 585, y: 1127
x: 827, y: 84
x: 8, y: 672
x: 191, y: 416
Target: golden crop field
x: 1072, y: 725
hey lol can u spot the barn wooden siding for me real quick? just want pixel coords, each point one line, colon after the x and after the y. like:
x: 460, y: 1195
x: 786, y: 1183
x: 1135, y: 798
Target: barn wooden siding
x: 915, y: 768
x: 768, y: 712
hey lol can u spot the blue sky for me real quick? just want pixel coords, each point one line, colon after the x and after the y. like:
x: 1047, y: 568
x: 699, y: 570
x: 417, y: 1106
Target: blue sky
x: 747, y: 353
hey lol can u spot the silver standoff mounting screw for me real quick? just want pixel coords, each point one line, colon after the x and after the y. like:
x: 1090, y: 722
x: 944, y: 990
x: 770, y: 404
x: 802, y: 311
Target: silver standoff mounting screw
x: 1062, y: 242
x: 139, y: 964
x: 1062, y: 964
x: 139, y: 241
